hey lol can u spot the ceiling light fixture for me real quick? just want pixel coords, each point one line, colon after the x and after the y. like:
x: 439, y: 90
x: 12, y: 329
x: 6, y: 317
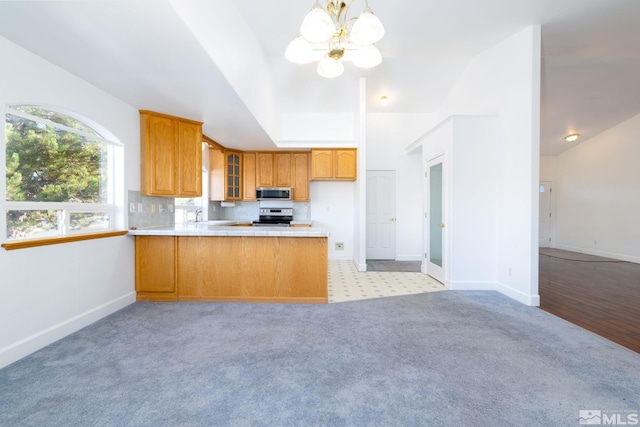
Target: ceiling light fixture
x: 572, y: 137
x: 384, y: 101
x: 327, y: 35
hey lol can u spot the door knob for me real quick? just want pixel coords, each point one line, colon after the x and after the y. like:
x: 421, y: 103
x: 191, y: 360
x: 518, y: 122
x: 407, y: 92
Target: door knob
x: 392, y: 219
x: 441, y: 225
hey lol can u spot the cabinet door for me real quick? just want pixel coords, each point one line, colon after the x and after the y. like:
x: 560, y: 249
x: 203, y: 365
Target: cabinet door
x: 160, y: 156
x: 217, y: 169
x: 233, y: 176
x: 300, y: 176
x: 321, y: 164
x: 249, y: 176
x: 189, y: 160
x: 282, y: 170
x: 345, y: 164
x: 156, y: 268
x: 264, y: 170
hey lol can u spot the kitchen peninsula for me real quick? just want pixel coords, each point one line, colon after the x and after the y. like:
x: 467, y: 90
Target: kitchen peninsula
x: 213, y: 263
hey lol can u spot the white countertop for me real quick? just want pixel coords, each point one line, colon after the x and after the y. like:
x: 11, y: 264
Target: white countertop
x: 222, y: 228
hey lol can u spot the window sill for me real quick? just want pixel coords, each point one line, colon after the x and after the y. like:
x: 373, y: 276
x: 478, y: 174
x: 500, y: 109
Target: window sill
x: 23, y: 244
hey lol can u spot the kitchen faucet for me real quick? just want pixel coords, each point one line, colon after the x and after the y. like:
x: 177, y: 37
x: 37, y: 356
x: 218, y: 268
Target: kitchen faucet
x: 199, y: 215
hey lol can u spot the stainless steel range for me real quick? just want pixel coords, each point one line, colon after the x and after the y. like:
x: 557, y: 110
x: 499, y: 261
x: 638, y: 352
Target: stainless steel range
x: 274, y: 217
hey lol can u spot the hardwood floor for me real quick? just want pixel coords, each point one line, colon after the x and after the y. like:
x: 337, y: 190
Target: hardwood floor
x: 598, y: 294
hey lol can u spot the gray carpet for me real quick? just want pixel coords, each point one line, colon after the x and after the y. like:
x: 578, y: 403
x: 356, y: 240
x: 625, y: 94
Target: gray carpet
x: 438, y: 359
x: 394, y: 266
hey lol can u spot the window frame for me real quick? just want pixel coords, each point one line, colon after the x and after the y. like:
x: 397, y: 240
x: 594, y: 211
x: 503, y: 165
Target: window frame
x: 64, y: 231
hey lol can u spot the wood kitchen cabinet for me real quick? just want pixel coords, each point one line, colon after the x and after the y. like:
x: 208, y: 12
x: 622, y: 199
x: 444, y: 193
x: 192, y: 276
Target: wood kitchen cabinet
x: 264, y: 169
x: 170, y: 155
x: 282, y: 169
x: 249, y: 176
x: 225, y: 175
x: 273, y: 169
x: 339, y: 164
x: 156, y: 268
x: 300, y: 176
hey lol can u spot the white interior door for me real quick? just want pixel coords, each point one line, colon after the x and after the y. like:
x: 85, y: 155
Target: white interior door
x: 435, y: 226
x: 544, y: 232
x: 381, y: 214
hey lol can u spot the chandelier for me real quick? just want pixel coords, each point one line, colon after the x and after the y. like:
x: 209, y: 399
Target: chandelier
x: 327, y: 35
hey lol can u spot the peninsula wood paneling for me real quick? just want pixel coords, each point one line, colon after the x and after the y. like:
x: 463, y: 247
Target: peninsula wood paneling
x: 209, y: 266
x: 304, y: 275
x: 260, y: 269
x: 156, y: 268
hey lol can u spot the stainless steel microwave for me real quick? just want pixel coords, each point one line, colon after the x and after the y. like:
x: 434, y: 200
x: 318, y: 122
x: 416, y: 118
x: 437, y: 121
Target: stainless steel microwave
x: 273, y: 193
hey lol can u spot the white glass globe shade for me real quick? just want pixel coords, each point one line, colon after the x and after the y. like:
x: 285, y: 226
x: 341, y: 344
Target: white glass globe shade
x: 367, y: 57
x: 317, y: 26
x: 330, y: 68
x: 367, y: 29
x: 299, y: 51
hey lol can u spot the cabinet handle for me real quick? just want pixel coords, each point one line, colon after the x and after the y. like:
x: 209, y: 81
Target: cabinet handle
x: 392, y: 219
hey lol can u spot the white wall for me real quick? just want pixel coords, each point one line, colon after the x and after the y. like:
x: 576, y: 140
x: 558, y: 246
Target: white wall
x: 598, y: 194
x: 505, y: 81
x: 333, y: 207
x: 466, y: 145
x: 387, y: 135
x: 51, y: 291
x: 548, y: 168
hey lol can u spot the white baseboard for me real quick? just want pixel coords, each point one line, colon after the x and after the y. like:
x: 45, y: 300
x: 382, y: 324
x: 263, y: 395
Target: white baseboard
x: 526, y: 299
x: 521, y: 297
x: 359, y: 266
x: 471, y: 286
x: 35, y: 342
x: 621, y: 257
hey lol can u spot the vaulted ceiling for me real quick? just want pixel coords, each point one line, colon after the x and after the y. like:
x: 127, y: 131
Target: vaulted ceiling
x: 222, y: 62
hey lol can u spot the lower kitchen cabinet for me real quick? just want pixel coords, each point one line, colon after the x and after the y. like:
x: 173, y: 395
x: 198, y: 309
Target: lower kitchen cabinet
x: 156, y: 268
x: 232, y: 268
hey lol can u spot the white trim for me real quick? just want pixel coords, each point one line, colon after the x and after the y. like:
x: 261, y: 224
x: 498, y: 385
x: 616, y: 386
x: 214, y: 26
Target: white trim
x: 613, y: 255
x: 60, y: 126
x: 360, y: 267
x: 527, y: 299
x: 409, y: 257
x: 35, y: 342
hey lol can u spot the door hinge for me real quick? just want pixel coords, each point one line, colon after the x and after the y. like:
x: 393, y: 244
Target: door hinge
x: 425, y: 255
x: 425, y: 215
x: 425, y: 174
x: 549, y: 214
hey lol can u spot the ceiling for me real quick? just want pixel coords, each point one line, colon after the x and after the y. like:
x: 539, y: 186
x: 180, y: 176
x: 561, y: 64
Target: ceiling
x: 147, y: 54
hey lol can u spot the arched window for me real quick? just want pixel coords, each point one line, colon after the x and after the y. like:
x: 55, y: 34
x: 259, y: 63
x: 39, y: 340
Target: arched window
x: 59, y: 174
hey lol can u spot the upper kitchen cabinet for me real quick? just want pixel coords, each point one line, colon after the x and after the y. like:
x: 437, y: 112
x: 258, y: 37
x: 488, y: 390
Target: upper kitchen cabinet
x: 273, y: 169
x: 249, y: 176
x: 339, y: 164
x: 264, y: 169
x: 170, y: 155
x: 225, y: 175
x: 300, y: 176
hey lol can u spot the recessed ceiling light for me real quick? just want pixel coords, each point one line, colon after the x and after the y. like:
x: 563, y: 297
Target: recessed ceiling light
x: 384, y: 101
x: 572, y: 137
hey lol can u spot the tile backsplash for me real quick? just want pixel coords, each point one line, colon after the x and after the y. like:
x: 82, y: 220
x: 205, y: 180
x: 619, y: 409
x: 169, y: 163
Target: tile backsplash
x: 149, y: 211
x: 250, y: 211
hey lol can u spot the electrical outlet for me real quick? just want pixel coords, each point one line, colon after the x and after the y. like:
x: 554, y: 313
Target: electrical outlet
x: 339, y: 246
x: 132, y: 207
x: 139, y: 207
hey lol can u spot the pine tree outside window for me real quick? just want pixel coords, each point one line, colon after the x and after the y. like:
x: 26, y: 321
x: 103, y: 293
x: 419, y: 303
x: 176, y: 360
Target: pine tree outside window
x: 59, y: 175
